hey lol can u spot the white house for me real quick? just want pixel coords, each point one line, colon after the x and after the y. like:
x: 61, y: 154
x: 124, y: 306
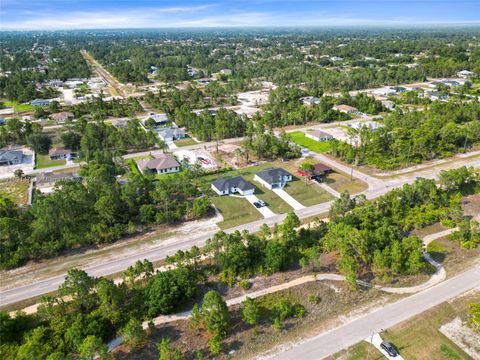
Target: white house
x: 372, y: 125
x: 237, y: 184
x: 171, y: 134
x: 273, y: 178
x: 310, y: 100
x: 347, y: 109
x: 162, y: 164
x: 465, y: 74
x: 318, y: 135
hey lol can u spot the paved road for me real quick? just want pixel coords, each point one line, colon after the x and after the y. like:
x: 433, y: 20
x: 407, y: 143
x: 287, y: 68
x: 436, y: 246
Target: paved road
x: 376, y: 189
x: 346, y: 335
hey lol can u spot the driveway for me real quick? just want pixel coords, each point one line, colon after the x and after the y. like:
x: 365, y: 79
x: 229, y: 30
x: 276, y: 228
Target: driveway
x: 288, y: 199
x: 265, y: 211
x: 171, y: 145
x: 328, y: 189
x: 376, y: 340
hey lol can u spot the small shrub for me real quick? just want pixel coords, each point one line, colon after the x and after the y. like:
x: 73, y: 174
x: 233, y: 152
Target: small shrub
x: 244, y: 284
x: 215, y: 345
x: 313, y: 299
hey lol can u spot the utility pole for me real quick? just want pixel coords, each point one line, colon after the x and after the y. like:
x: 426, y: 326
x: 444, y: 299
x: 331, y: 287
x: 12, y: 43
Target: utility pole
x: 465, y: 146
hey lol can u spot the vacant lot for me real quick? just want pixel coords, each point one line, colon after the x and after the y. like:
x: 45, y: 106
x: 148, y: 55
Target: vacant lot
x: 185, y: 142
x: 317, y: 146
x: 43, y: 161
x: 452, y: 256
x: 419, y: 338
x: 235, y: 211
x: 342, y: 182
x: 16, y: 190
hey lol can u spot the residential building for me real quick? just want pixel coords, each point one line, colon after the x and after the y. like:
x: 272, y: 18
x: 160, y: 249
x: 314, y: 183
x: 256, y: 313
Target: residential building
x: 347, y: 109
x: 47, y: 180
x: 390, y: 105
x: 232, y: 185
x: 39, y: 102
x: 119, y: 123
x: 3, y: 121
x: 372, y: 125
x: 61, y: 117
x: 451, y: 83
x: 160, y: 119
x: 273, y: 178
x: 310, y: 100
x: 59, y: 152
x: 10, y: 157
x: 162, y: 164
x: 437, y: 95
x: 317, y: 171
x: 318, y: 135
x: 465, y: 74
x: 226, y: 72
x: 171, y: 134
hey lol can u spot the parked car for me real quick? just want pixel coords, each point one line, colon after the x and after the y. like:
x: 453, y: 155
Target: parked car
x: 202, y: 160
x: 262, y: 203
x: 257, y: 204
x: 389, y: 348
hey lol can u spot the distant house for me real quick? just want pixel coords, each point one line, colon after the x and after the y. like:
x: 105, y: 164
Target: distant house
x: 347, y: 109
x: 48, y: 179
x: 310, y: 100
x: 451, y: 83
x: 60, y: 152
x: 237, y: 184
x: 10, y: 157
x: 119, y: 123
x: 317, y: 171
x: 39, y: 102
x: 318, y: 135
x: 437, y: 95
x: 3, y: 121
x: 61, y: 117
x: 226, y: 72
x: 465, y: 74
x: 386, y: 91
x: 171, y: 134
x: 160, y: 119
x: 372, y: 125
x: 162, y: 164
x: 390, y: 105
x: 273, y: 178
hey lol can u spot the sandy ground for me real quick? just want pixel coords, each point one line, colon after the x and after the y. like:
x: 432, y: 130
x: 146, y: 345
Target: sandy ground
x: 463, y: 336
x: 36, y: 271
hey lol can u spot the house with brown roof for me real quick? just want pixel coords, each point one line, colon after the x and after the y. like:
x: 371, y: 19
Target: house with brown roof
x: 162, y: 164
x: 347, y: 109
x: 61, y: 117
x: 59, y: 152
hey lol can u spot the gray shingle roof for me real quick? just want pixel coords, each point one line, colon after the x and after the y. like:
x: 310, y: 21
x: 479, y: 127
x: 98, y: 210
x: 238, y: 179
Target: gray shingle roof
x: 273, y: 175
x: 163, y: 161
x: 239, y: 182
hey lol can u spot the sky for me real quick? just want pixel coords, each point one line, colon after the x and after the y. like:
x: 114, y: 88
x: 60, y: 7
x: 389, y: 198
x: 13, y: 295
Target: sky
x: 114, y: 14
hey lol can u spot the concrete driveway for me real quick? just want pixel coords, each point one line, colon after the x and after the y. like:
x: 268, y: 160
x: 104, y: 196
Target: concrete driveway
x: 288, y: 199
x: 376, y: 340
x: 265, y: 211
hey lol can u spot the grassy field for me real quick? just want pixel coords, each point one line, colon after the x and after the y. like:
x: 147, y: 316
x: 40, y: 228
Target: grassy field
x: 420, y: 338
x: 317, y: 146
x: 16, y: 190
x: 185, y: 142
x: 235, y: 211
x: 341, y: 182
x: 43, y: 161
x: 18, y: 107
x: 308, y: 194
x: 452, y: 256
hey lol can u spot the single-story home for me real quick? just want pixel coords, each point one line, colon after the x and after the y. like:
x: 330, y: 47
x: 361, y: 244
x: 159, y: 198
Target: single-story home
x: 310, y: 100
x: 3, y: 121
x: 347, y: 109
x: 317, y: 171
x: 226, y: 72
x: 231, y: 185
x: 119, y: 123
x: 465, y: 74
x: 48, y: 179
x: 372, y: 125
x: 61, y: 117
x: 171, y: 134
x: 437, y: 95
x: 59, y: 152
x: 162, y: 164
x: 40, y: 102
x: 273, y: 178
x: 10, y: 157
x: 390, y: 105
x: 160, y: 119
x: 318, y: 135
x: 451, y: 83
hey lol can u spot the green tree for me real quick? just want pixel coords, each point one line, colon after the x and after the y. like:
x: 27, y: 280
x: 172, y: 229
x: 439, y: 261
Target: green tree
x: 250, y: 311
x: 40, y: 143
x: 167, y: 351
x: 133, y: 333
x: 215, y: 313
x: 93, y: 348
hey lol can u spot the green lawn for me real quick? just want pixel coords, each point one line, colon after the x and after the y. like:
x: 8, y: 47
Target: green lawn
x: 43, y: 161
x: 185, y: 142
x: 317, y: 146
x: 420, y: 338
x: 341, y: 182
x: 308, y: 194
x: 24, y: 107
x: 235, y: 211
